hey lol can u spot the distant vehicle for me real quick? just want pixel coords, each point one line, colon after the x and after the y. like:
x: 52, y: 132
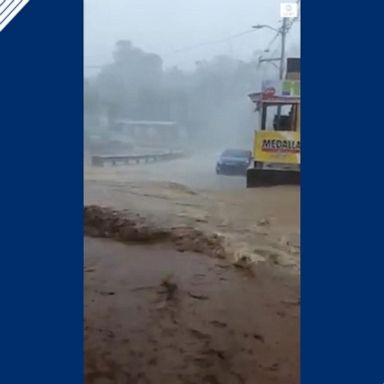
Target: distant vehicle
x: 234, y: 162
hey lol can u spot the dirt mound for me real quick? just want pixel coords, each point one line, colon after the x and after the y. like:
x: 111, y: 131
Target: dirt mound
x: 127, y: 227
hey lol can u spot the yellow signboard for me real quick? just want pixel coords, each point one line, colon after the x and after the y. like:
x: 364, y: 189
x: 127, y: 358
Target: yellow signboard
x: 277, y: 147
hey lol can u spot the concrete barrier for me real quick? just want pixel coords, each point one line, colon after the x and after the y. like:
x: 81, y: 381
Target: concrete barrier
x: 114, y: 160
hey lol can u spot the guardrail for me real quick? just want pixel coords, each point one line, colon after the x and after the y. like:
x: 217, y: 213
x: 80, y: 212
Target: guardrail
x: 114, y: 160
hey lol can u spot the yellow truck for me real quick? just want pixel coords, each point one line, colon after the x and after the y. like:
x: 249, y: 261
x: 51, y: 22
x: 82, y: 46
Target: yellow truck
x: 276, y: 148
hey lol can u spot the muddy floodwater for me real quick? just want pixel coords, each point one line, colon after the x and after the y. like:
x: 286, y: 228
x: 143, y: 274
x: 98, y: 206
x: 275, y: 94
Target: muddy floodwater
x: 156, y: 315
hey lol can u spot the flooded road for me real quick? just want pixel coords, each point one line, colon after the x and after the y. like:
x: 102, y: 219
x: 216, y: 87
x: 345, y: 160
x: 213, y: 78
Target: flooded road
x: 155, y: 315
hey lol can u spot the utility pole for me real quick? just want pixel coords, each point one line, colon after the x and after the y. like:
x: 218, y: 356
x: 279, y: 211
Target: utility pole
x: 285, y: 27
x: 283, y: 33
x: 282, y: 55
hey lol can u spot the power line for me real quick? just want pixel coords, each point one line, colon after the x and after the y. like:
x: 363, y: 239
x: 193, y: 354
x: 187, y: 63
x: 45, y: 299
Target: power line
x: 271, y: 42
x: 224, y: 40
x: 196, y: 46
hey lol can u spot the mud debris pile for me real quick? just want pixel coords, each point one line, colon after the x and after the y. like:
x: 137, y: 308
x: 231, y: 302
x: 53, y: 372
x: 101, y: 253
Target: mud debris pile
x: 132, y: 228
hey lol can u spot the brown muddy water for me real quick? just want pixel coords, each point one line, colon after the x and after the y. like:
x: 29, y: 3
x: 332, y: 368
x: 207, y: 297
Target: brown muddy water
x: 156, y: 315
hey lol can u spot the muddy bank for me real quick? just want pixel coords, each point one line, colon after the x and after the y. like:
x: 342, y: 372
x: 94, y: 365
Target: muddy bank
x: 155, y: 315
x: 132, y: 228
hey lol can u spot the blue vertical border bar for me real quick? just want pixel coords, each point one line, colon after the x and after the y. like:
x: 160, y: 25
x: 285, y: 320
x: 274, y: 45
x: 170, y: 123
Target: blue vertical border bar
x: 41, y: 191
x: 342, y: 194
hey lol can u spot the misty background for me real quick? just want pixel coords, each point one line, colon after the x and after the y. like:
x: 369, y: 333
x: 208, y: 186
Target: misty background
x: 193, y: 63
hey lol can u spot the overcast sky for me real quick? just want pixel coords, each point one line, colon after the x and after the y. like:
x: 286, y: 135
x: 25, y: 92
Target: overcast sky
x: 166, y: 26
